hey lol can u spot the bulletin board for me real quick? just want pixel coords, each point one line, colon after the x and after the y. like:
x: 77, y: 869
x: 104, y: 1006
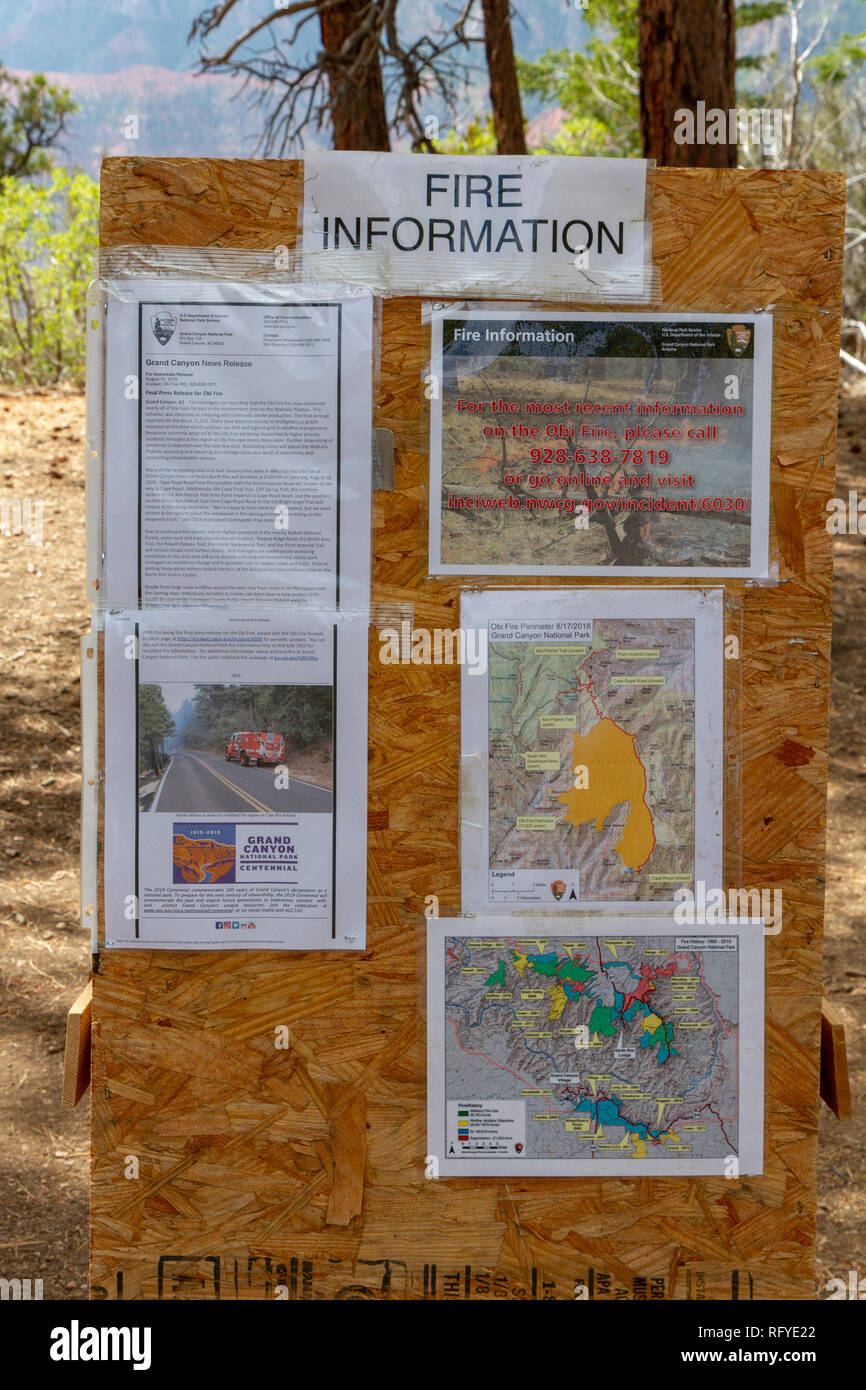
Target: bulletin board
x: 300, y: 1172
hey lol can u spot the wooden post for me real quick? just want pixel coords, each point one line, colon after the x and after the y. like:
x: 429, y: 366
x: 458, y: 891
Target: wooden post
x: 76, y: 1056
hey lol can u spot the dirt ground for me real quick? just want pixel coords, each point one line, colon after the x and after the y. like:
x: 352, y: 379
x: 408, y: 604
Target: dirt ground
x: 44, y: 950
x: 841, y: 1244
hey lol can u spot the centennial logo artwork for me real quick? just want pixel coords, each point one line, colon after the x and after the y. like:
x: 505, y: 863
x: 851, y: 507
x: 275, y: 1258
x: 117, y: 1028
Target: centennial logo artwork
x: 739, y: 336
x: 203, y: 853
x: 266, y: 854
x: 163, y: 326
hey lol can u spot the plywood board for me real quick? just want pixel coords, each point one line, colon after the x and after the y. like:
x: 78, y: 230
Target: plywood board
x: 835, y: 1084
x: 301, y: 1172
x: 76, y: 1056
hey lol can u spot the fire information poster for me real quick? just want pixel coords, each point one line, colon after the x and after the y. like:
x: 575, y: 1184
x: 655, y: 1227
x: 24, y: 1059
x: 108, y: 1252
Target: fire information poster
x: 592, y: 748
x: 234, y: 769
x: 238, y: 431
x: 575, y: 444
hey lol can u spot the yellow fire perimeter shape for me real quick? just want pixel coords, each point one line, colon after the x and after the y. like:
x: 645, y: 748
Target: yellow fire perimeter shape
x: 616, y: 774
x: 558, y: 1001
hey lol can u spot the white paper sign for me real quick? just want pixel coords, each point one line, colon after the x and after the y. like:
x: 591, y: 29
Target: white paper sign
x: 235, y: 766
x: 422, y: 224
x: 238, y: 464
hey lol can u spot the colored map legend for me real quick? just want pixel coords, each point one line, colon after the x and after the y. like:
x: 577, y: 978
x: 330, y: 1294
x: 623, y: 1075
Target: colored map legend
x: 486, y: 1127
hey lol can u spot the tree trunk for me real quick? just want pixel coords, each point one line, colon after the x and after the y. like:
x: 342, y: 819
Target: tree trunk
x: 504, y: 89
x: 356, y: 95
x: 687, y: 55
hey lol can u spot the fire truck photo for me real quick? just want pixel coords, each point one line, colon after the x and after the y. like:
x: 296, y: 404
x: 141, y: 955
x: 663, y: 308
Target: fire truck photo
x: 251, y: 749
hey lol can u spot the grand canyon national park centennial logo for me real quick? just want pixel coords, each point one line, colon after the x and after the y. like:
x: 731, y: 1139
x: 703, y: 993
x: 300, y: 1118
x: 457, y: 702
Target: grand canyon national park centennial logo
x: 203, y: 853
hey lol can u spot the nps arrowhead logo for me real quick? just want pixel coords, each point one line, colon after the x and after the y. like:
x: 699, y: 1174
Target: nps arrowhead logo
x: 163, y: 326
x: 739, y: 336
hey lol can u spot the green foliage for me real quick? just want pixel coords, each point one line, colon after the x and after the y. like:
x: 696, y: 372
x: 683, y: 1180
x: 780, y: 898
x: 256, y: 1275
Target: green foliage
x: 597, y: 89
x: 822, y: 96
x: 301, y: 713
x: 32, y: 117
x: 48, y: 237
x: 834, y: 137
x: 154, y: 726
x: 757, y: 13
x: 477, y: 138
x: 838, y: 62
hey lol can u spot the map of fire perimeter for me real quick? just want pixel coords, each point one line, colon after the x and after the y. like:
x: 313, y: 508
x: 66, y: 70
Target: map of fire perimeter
x: 629, y: 1048
x: 601, y: 748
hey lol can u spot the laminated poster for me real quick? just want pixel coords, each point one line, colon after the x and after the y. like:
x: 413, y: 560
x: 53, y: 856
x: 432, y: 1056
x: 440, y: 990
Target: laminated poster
x: 238, y: 446
x: 235, y: 766
x: 602, y: 1048
x: 592, y: 739
x: 579, y: 444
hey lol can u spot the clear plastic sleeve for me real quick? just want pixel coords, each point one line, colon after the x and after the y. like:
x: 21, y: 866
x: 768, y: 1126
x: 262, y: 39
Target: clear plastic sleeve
x: 599, y: 748
x: 230, y: 432
x: 580, y: 443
